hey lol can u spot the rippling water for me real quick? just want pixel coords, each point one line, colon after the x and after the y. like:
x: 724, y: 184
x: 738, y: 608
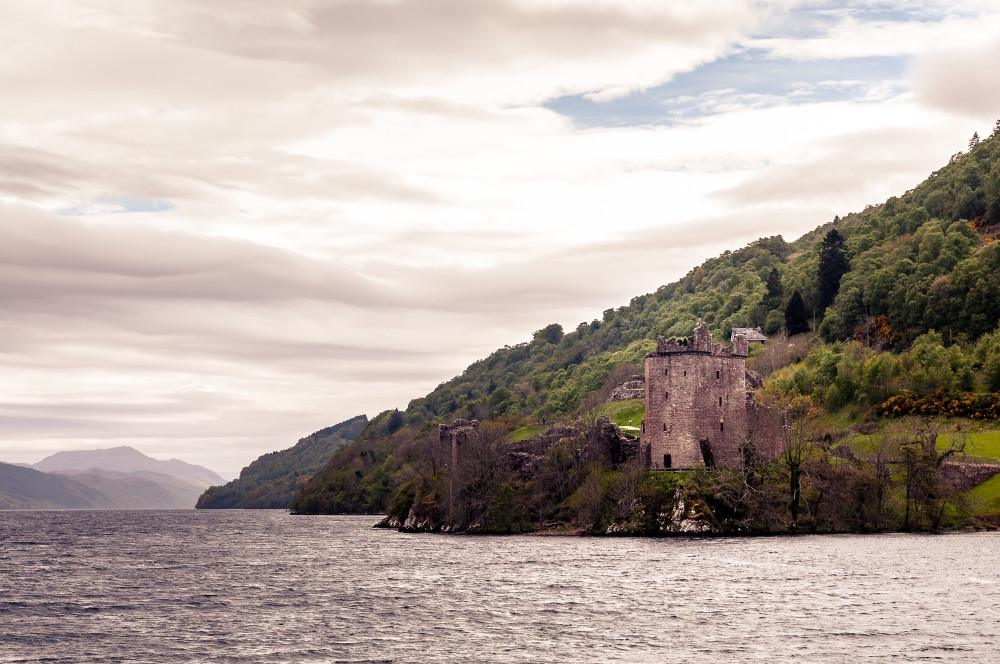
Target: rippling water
x: 243, y: 586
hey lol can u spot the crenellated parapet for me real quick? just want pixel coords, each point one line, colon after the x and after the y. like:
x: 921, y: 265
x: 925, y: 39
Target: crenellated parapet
x: 701, y: 342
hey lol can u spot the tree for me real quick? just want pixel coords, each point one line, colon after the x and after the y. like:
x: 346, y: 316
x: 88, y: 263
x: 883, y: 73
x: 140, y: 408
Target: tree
x: 833, y: 264
x: 974, y: 141
x: 927, y: 496
x: 481, y: 474
x: 796, y: 315
x: 796, y: 445
x: 394, y: 422
x: 551, y: 333
x: 774, y: 288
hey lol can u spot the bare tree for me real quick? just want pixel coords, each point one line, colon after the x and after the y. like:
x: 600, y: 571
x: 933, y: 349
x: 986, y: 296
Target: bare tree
x: 796, y: 442
x: 624, y: 489
x: 481, y: 472
x: 591, y: 494
x: 927, y: 496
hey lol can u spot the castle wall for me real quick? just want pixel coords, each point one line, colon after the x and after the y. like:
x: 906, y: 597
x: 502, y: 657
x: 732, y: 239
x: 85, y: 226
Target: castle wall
x: 458, y: 435
x: 695, y: 392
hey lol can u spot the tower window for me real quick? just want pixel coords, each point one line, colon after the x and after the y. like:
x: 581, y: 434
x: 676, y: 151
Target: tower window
x: 720, y: 401
x: 685, y: 373
x: 666, y: 372
x: 716, y: 375
x: 722, y: 426
x: 664, y: 426
x: 666, y: 395
x: 666, y: 460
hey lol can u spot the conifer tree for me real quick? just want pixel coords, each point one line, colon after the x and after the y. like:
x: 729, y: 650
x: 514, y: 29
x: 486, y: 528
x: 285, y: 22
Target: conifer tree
x: 796, y: 315
x: 774, y: 289
x: 833, y: 264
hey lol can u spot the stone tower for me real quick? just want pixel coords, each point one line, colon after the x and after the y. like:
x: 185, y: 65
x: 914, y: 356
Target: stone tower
x: 696, y: 402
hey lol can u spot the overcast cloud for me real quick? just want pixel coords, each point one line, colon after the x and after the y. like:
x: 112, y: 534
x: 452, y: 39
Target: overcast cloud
x: 227, y: 224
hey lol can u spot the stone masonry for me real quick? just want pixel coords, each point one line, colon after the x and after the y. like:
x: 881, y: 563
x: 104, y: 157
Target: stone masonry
x: 458, y: 435
x: 696, y: 402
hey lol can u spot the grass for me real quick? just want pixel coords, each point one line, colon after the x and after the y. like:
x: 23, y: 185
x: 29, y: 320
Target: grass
x: 625, y: 413
x: 524, y: 433
x: 988, y: 495
x: 982, y: 438
x: 978, y: 443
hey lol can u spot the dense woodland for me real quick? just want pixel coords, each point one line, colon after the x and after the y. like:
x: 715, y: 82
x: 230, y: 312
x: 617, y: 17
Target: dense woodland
x: 270, y: 482
x: 889, y: 312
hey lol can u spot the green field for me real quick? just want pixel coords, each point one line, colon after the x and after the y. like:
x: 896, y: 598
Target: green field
x: 978, y: 443
x: 625, y: 413
x: 524, y: 433
x: 988, y: 494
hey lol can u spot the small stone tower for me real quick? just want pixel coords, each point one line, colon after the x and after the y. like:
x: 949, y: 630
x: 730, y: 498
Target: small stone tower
x: 458, y: 435
x: 696, y: 402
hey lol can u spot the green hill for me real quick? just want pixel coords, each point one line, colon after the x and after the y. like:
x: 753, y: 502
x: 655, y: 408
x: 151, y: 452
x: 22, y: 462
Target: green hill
x: 271, y: 480
x: 898, y: 299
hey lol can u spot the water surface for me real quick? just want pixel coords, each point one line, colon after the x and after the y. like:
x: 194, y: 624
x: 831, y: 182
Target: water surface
x: 265, y: 586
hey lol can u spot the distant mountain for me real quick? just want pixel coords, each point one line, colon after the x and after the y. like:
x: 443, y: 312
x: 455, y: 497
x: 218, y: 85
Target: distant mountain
x: 26, y: 488
x: 270, y: 481
x: 139, y: 489
x: 125, y: 459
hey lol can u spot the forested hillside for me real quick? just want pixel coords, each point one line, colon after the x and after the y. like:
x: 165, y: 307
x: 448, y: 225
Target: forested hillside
x: 270, y: 481
x: 900, y: 299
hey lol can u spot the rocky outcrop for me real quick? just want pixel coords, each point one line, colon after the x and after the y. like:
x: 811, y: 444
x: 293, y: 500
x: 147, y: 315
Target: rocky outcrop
x: 686, y: 517
x: 607, y: 442
x: 633, y: 389
x: 965, y: 475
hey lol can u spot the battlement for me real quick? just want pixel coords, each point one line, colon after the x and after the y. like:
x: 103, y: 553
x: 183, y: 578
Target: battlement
x: 701, y: 342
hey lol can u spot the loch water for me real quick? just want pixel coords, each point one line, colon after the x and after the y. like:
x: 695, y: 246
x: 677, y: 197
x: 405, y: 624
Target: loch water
x: 265, y: 586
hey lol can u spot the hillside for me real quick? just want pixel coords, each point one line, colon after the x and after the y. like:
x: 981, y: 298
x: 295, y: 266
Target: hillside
x: 138, y: 490
x: 270, y: 481
x: 126, y: 459
x: 114, y: 478
x: 26, y: 488
x: 898, y: 299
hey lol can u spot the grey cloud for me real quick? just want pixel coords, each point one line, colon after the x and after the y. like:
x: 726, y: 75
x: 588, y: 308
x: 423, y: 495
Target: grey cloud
x: 45, y: 258
x: 423, y: 38
x: 79, y: 299
x: 865, y: 167
x: 965, y: 82
x: 287, y: 175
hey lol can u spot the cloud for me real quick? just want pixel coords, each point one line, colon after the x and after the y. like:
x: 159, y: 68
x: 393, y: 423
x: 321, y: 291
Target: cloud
x: 279, y: 215
x: 963, y: 81
x: 143, y: 336
x: 868, y: 165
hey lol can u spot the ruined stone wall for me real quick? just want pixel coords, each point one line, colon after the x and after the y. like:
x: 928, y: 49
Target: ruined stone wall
x: 457, y: 435
x: 694, y: 392
x: 965, y: 475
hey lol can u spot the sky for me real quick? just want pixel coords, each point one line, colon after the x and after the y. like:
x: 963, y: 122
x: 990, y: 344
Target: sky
x: 227, y: 224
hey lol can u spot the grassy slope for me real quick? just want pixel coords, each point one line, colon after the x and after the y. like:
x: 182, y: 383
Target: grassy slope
x: 987, y: 495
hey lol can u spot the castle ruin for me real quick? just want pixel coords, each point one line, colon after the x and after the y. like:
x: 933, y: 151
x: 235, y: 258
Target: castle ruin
x: 458, y: 435
x: 697, y: 404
